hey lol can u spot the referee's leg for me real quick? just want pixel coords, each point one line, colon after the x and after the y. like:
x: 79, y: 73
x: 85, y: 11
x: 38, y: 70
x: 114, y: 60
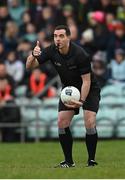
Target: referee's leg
x: 65, y: 137
x: 91, y: 135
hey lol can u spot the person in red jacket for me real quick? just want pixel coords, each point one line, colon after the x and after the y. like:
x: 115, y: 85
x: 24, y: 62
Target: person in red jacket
x: 5, y: 90
x: 37, y: 83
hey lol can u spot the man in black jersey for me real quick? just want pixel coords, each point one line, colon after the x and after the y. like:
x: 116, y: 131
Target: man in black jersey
x: 74, y: 68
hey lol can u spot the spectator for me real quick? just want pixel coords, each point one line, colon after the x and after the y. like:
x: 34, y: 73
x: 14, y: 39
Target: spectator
x: 2, y: 52
x: 16, y: 10
x: 57, y: 6
x: 37, y: 83
x: 14, y: 67
x: 47, y: 20
x: 35, y: 8
x: 68, y: 13
x: 74, y: 33
x: 41, y: 36
x: 54, y: 3
x: 117, y: 66
x: 23, y: 49
x: 11, y: 36
x: 5, y: 90
x: 87, y: 41
x: 110, y: 21
x: 116, y: 40
x: 46, y: 17
x: 100, y: 68
x: 4, y: 18
x: 26, y: 19
x: 101, y: 34
x: 30, y: 33
x: 9, y: 113
x: 105, y: 5
x: 81, y: 10
x: 46, y: 42
x: 121, y: 10
x: 4, y: 76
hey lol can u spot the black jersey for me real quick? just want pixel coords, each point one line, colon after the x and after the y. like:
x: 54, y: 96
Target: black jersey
x: 71, y: 66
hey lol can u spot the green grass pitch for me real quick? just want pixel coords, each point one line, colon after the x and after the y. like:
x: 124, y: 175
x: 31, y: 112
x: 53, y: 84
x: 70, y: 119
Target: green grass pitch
x: 36, y: 160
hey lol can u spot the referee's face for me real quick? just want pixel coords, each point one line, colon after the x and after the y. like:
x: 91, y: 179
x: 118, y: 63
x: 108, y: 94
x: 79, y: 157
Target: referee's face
x: 61, y: 40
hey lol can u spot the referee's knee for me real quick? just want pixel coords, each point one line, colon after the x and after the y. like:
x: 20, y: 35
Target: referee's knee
x: 90, y: 119
x: 62, y: 123
x: 90, y: 123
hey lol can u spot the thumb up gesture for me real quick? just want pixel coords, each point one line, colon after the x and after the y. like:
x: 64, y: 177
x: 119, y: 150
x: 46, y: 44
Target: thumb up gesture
x: 37, y: 50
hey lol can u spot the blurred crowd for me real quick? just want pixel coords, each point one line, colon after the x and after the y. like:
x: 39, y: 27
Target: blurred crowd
x: 96, y: 25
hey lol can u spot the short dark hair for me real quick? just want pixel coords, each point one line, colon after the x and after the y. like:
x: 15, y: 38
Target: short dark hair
x: 66, y: 28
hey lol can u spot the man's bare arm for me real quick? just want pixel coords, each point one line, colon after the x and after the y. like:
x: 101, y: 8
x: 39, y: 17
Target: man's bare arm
x: 32, y: 62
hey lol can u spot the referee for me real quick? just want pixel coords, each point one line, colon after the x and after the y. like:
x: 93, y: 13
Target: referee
x: 74, y: 68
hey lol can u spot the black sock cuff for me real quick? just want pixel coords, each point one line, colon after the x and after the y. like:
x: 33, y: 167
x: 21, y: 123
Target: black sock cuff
x: 67, y: 130
x: 61, y: 131
x: 91, y: 131
x: 64, y: 130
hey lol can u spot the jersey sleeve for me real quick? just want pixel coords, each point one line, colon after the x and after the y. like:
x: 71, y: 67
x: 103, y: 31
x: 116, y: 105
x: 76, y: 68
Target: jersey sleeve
x: 83, y: 63
x: 45, y: 55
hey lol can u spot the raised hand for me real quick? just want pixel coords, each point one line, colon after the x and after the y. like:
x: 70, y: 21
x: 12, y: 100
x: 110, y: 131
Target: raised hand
x: 37, y: 50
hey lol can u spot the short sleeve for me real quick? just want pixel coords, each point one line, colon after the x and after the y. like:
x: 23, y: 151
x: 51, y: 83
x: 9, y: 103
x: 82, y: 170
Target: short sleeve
x: 83, y: 63
x: 45, y: 55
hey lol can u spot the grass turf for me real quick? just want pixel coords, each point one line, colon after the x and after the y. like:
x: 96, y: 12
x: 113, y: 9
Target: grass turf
x: 36, y: 160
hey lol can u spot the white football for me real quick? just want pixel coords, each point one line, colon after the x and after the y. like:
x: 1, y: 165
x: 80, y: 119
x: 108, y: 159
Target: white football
x: 70, y: 93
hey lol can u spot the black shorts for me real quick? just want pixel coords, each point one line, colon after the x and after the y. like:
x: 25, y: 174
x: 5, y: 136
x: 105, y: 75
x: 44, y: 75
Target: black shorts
x: 91, y: 104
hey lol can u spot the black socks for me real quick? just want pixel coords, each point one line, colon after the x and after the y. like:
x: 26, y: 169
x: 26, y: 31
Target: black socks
x: 91, y: 142
x: 66, y: 142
